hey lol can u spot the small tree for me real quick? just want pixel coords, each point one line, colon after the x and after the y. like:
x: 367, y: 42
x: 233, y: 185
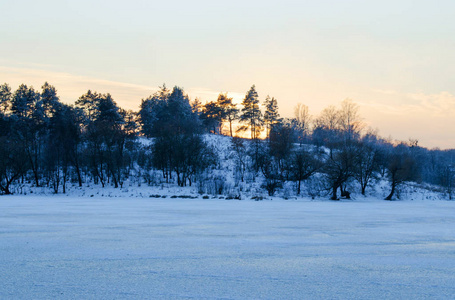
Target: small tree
x: 338, y: 169
x: 401, y: 167
x: 241, y: 157
x: 366, y: 161
x: 271, y: 170
x: 303, y: 164
x: 280, y: 143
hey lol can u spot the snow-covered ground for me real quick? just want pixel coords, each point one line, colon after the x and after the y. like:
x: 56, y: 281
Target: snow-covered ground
x: 150, y: 248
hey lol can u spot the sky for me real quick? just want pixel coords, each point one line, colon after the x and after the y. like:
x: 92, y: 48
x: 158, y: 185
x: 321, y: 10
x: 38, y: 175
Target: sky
x: 395, y: 59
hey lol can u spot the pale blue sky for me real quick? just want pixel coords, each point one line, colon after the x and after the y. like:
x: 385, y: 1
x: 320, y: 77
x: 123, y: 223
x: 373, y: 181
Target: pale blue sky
x: 395, y: 58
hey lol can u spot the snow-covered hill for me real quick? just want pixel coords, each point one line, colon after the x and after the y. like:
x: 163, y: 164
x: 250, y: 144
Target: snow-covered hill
x: 220, y: 182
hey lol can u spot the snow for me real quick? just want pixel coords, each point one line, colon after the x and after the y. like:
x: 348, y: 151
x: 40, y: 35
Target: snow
x: 66, y: 247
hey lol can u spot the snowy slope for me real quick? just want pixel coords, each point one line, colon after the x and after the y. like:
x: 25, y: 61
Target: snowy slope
x: 223, y: 174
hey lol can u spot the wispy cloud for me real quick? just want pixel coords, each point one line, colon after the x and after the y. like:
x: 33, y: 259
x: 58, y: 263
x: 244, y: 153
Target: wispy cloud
x: 394, y: 102
x: 437, y: 105
x: 70, y: 86
x: 385, y: 92
x: 427, y: 117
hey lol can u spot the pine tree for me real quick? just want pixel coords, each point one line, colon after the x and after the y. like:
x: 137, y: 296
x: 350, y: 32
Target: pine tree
x: 229, y: 111
x: 49, y: 100
x: 271, y: 115
x: 24, y: 101
x: 89, y: 104
x: 5, y: 97
x: 25, y: 106
x: 251, y: 114
x: 212, y: 117
x: 196, y: 106
x: 178, y: 148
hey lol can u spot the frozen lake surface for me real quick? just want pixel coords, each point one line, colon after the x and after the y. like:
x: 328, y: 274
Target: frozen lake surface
x: 116, y: 248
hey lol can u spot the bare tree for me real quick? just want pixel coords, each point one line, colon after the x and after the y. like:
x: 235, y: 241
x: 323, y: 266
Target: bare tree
x: 366, y: 161
x: 303, y: 120
x: 349, y: 120
x: 338, y: 169
x: 328, y: 118
x: 303, y: 164
x: 401, y: 167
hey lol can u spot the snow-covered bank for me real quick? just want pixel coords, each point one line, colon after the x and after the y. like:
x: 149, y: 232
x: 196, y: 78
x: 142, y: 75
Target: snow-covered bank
x: 97, y: 247
x: 245, y: 191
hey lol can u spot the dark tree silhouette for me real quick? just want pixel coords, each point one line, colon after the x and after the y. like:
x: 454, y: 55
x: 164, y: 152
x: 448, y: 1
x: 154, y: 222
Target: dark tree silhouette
x: 251, y: 114
x: 271, y: 115
x: 401, y: 167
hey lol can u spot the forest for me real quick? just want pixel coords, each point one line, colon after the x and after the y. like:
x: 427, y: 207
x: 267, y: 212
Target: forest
x: 49, y: 144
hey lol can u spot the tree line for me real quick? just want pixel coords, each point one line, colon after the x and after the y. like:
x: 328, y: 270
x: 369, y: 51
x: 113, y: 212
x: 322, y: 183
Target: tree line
x: 47, y: 143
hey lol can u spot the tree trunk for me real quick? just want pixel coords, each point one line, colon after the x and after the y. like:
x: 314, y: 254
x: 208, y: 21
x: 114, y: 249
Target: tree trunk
x: 79, y: 177
x: 6, y: 188
x: 334, y: 193
x: 114, y: 178
x: 389, y: 197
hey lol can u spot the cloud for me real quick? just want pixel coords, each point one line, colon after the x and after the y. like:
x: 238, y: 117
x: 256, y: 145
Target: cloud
x: 70, y: 87
x: 398, y: 103
x: 438, y: 105
x: 427, y: 117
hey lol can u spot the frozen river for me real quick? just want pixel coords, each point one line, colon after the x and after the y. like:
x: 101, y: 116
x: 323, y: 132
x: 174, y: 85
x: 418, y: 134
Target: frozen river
x: 116, y: 248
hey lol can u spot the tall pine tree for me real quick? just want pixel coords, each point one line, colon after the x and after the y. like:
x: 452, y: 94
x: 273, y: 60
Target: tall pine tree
x: 271, y: 115
x: 251, y: 114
